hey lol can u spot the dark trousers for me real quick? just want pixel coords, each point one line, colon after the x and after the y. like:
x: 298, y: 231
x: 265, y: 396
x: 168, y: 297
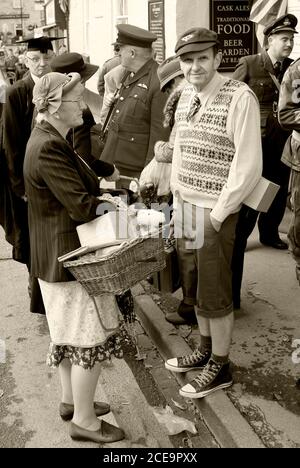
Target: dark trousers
x: 245, y: 225
x: 268, y: 224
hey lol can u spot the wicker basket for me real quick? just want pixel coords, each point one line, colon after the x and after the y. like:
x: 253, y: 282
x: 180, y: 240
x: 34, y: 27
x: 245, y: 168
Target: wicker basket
x: 120, y: 270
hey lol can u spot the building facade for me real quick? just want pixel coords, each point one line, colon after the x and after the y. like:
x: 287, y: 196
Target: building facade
x: 19, y: 18
x: 92, y: 26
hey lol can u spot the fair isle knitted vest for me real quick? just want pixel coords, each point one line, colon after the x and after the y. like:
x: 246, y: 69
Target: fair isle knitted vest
x: 206, y: 148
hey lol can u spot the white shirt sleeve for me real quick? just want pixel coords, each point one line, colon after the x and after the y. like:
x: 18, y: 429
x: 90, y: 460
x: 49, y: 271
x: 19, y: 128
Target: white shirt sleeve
x: 246, y: 167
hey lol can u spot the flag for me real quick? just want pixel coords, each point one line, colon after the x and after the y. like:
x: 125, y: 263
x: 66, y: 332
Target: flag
x: 264, y: 12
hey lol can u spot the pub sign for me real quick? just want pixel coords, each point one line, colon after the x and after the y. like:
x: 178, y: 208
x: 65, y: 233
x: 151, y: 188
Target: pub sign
x: 156, y: 23
x: 230, y: 20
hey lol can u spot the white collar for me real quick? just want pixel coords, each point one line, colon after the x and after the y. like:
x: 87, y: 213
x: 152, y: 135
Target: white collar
x: 209, y: 89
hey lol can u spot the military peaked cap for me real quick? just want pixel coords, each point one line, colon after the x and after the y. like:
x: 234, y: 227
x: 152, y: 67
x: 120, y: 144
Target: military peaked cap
x: 132, y: 35
x: 284, y: 23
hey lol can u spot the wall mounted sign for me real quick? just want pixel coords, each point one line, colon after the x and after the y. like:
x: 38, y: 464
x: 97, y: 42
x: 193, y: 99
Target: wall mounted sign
x: 156, y: 24
x: 230, y: 20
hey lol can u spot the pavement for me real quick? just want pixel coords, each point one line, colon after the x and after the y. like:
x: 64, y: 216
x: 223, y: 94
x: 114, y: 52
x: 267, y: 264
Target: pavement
x: 260, y: 410
x: 30, y: 391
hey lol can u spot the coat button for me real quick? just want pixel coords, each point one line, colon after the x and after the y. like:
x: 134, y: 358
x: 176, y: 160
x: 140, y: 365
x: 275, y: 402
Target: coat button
x: 121, y: 98
x: 136, y: 95
x: 131, y: 139
x: 117, y: 111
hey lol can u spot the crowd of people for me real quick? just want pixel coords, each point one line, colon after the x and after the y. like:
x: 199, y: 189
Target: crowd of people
x: 204, y: 139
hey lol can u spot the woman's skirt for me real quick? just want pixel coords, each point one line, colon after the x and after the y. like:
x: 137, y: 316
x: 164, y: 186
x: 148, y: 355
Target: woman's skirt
x: 83, y: 329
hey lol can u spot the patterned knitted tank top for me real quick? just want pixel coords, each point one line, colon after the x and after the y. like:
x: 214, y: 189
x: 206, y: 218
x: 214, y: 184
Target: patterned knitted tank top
x: 206, y: 147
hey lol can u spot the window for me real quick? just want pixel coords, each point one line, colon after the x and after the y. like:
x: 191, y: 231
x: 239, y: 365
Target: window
x: 121, y: 11
x: 17, y: 4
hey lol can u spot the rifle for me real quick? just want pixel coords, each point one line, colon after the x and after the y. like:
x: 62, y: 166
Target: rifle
x: 98, y: 132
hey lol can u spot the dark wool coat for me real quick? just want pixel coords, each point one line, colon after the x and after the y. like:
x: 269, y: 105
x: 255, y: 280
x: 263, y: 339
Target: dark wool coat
x: 61, y: 192
x: 136, y: 122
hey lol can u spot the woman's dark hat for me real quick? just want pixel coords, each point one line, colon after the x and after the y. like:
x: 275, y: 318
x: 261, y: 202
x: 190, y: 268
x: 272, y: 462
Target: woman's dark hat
x: 284, y: 23
x: 168, y: 70
x: 132, y: 35
x: 73, y: 62
x: 41, y: 44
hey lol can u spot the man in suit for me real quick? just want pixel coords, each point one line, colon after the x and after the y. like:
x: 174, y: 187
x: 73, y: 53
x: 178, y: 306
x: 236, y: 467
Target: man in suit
x: 136, y: 122
x: 263, y: 73
x: 17, y: 123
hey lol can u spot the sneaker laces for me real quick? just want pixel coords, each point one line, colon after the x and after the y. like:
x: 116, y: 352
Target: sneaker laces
x: 209, y: 372
x: 193, y: 358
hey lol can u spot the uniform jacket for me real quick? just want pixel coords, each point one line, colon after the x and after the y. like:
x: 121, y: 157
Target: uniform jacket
x: 61, y: 193
x: 136, y: 122
x: 255, y: 71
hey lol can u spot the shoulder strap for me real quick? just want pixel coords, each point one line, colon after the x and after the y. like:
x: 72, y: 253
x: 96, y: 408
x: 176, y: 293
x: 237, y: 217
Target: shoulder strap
x: 277, y: 84
x: 117, y: 91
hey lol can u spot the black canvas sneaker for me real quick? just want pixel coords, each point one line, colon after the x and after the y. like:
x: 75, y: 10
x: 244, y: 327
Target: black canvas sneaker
x: 213, y: 377
x: 196, y: 360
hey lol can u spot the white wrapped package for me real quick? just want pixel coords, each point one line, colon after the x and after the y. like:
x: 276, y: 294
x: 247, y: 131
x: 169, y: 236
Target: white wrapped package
x: 149, y: 220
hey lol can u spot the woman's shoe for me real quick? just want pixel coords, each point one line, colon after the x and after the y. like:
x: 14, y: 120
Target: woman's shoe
x: 66, y: 410
x: 105, y: 434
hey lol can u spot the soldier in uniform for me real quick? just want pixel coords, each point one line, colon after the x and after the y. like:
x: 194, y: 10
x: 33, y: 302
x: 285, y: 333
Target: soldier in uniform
x: 263, y: 73
x: 288, y: 112
x: 136, y: 122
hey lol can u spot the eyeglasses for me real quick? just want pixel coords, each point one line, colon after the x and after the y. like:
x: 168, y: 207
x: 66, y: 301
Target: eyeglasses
x: 37, y: 60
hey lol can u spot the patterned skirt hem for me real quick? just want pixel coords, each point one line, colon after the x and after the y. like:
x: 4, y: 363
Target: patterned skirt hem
x: 85, y: 357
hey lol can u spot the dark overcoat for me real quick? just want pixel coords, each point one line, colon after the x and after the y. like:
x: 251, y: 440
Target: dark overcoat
x: 17, y: 118
x: 136, y: 123
x: 61, y: 193
x: 255, y: 71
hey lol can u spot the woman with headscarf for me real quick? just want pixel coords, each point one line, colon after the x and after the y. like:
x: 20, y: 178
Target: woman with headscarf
x: 62, y: 193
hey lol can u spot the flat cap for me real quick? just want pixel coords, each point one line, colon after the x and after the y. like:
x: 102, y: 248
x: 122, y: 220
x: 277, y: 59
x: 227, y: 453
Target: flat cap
x: 73, y: 62
x: 42, y: 44
x: 195, y: 40
x: 132, y: 35
x: 284, y: 23
x: 168, y: 70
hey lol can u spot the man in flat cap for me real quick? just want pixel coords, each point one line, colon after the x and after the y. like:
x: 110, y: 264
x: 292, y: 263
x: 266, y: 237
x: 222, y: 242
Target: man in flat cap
x: 136, y: 122
x: 17, y: 121
x: 214, y: 169
x: 263, y: 73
